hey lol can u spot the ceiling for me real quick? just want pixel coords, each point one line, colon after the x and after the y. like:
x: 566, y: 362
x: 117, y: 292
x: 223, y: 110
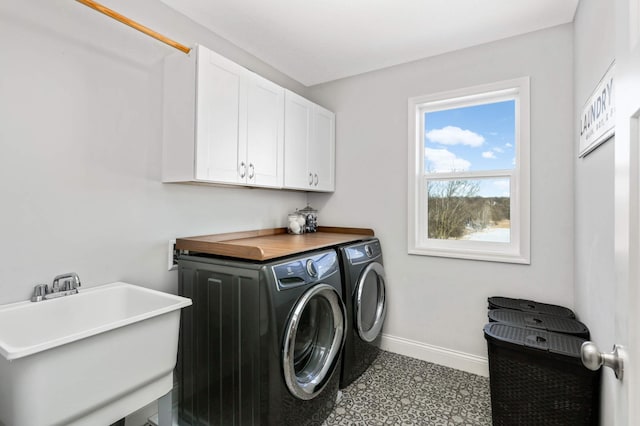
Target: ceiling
x: 323, y: 40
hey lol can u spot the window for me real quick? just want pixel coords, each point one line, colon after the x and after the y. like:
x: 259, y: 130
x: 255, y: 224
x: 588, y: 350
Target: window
x: 469, y: 173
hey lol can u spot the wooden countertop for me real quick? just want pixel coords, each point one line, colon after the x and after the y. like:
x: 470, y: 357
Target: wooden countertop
x: 268, y: 244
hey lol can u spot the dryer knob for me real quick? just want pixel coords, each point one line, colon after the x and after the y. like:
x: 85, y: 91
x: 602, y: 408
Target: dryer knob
x: 368, y: 251
x: 311, y: 268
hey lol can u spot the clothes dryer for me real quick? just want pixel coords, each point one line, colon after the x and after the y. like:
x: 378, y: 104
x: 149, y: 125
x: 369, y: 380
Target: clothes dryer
x: 365, y: 299
x: 261, y: 344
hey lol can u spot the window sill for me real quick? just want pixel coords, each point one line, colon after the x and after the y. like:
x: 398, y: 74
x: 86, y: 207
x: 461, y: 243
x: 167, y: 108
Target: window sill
x: 487, y: 256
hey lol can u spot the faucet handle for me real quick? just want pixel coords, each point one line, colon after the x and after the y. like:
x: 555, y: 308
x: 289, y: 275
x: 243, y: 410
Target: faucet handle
x: 39, y: 291
x: 74, y: 282
x: 69, y: 284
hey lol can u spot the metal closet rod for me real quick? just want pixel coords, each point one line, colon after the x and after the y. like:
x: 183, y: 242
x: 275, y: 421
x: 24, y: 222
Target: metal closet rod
x: 133, y: 24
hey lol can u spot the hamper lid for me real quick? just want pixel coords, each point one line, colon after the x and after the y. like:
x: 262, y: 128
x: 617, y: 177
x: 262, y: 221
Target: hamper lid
x: 540, y: 321
x: 552, y: 343
x: 529, y: 306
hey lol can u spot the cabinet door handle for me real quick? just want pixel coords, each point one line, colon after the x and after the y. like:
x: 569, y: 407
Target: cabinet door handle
x: 316, y: 179
x: 252, y: 171
x: 310, y: 178
x: 242, y: 170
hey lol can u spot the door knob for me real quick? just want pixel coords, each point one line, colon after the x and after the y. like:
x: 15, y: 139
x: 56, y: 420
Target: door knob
x: 593, y: 359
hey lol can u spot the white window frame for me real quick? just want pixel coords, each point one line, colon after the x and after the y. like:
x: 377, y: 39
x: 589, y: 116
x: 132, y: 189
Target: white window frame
x: 518, y: 249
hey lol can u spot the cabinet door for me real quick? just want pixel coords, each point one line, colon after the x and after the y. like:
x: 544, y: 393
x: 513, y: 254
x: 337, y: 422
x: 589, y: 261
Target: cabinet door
x: 297, y: 131
x: 263, y: 148
x: 321, y: 154
x: 220, y: 94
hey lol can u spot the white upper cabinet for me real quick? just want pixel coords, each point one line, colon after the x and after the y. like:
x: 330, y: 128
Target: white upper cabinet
x: 222, y: 123
x: 309, y: 154
x: 322, y: 157
x: 264, y: 133
x: 220, y: 96
x: 297, y: 133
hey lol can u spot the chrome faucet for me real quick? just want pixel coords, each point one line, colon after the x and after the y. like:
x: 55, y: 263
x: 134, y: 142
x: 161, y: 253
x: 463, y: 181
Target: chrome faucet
x: 70, y: 283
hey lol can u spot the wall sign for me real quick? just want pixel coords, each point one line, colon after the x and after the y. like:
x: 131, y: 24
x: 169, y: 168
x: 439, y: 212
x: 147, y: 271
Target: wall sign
x: 597, y: 119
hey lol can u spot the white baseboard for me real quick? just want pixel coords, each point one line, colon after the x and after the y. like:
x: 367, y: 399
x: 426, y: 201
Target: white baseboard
x: 435, y: 354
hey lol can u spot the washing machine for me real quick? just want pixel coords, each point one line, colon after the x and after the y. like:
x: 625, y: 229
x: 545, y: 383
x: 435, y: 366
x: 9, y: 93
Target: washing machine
x: 262, y: 342
x: 365, y: 299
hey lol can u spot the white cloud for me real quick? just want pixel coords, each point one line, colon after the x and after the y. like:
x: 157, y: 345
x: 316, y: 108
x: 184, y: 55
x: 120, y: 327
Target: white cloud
x: 488, y: 154
x: 442, y: 160
x: 508, y: 145
x: 451, y: 135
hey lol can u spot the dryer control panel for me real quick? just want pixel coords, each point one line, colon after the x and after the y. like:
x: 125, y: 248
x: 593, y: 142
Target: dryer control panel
x: 365, y: 252
x: 305, y: 270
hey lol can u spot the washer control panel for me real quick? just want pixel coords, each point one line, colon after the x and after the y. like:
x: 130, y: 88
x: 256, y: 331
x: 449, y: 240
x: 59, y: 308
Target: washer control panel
x: 305, y: 270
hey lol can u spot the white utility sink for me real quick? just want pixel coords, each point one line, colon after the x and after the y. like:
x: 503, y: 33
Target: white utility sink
x: 89, y: 358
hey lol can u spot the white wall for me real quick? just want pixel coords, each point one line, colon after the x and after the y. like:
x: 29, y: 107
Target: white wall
x: 439, y: 303
x: 594, y: 189
x: 80, y: 149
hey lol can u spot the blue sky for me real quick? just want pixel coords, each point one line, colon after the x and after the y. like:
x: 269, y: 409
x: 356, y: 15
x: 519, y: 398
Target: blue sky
x: 480, y: 137
x: 470, y: 132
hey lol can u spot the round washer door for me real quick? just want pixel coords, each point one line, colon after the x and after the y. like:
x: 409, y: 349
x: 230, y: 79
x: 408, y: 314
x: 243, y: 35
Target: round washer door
x: 370, y: 302
x: 313, y: 341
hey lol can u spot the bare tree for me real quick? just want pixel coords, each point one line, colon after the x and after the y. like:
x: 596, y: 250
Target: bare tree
x: 448, y: 207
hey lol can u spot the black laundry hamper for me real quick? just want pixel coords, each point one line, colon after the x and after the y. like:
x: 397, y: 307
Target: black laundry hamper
x: 537, y: 378
x: 529, y: 306
x: 545, y: 322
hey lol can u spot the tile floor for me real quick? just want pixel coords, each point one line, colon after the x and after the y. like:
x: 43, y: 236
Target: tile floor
x: 398, y: 390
